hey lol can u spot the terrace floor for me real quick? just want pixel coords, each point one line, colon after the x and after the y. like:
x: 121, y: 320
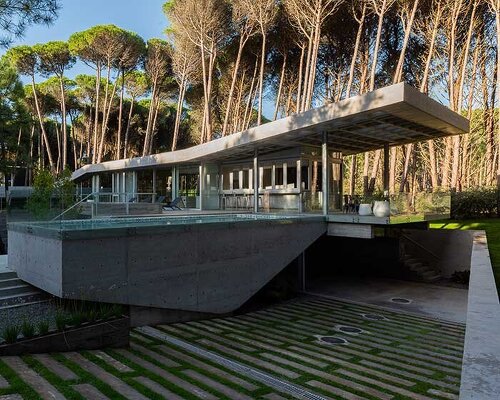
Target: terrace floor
x: 270, y: 354
x: 436, y: 301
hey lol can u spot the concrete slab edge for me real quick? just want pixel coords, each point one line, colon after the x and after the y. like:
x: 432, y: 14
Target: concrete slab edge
x: 481, y: 361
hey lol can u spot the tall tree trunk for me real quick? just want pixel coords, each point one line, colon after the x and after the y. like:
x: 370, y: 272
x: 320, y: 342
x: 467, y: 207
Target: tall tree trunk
x: 106, y: 113
x: 42, y: 127
x: 261, y: 78
x: 359, y: 34
x: 127, y: 130
x: 299, y: 85
x: 280, y: 87
x: 119, y: 131
x: 178, y: 113
x: 96, y: 120
x: 64, y: 132
x: 409, y: 26
x: 243, y: 40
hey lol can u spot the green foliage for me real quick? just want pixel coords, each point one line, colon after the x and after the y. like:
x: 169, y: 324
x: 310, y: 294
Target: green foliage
x: 43, y: 188
x: 61, y: 319
x: 474, y: 203
x: 10, y: 333
x: 77, y: 318
x: 54, y: 58
x: 27, y: 329
x: 65, y: 190
x: 43, y: 327
x: 16, y: 16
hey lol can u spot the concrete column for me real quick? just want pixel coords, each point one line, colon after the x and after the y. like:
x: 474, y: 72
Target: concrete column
x: 326, y: 170
x: 299, y: 184
x: 386, y: 169
x: 153, y: 197
x: 175, y: 182
x: 256, y: 182
x: 202, y: 184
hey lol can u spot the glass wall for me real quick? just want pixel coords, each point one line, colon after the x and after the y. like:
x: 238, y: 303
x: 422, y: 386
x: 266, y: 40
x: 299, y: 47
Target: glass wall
x: 163, y: 185
x: 189, y: 186
x: 210, y: 187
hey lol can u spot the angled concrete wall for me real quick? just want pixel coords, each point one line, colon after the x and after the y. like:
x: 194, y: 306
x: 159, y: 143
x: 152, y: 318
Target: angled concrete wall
x: 212, y: 268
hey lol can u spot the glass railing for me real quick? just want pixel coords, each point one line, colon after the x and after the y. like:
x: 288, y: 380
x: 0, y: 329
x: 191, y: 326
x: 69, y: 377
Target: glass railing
x: 422, y: 206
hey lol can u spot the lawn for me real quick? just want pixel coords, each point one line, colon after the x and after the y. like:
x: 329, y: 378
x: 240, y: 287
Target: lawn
x: 492, y: 228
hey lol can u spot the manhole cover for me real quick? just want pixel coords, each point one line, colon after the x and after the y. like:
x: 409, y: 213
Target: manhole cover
x: 349, y: 329
x: 374, y: 317
x: 332, y: 340
x: 400, y: 300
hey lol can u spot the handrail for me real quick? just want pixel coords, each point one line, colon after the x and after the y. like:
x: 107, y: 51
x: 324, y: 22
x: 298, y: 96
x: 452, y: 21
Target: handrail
x: 421, y: 246
x: 73, y: 206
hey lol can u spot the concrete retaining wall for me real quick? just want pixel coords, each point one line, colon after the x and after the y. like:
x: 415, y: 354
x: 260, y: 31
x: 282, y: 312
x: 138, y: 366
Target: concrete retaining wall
x: 211, y: 268
x: 453, y: 248
x: 481, y: 361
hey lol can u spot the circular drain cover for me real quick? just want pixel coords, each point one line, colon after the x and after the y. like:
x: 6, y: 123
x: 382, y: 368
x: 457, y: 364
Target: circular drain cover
x: 400, y: 300
x: 350, y: 329
x: 374, y: 317
x: 332, y: 340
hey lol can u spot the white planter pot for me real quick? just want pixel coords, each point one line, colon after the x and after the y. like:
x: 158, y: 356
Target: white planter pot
x: 365, y: 209
x: 382, y: 209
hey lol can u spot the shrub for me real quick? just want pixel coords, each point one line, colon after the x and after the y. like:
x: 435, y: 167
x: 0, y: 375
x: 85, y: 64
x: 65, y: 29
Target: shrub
x: 475, y: 203
x: 43, y: 327
x: 61, y: 321
x: 76, y: 318
x: 10, y: 333
x: 27, y: 329
x: 43, y: 187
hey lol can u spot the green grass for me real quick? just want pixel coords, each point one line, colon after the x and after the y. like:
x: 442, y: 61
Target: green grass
x: 492, y: 228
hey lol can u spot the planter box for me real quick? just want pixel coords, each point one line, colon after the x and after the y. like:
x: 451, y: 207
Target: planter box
x: 110, y: 333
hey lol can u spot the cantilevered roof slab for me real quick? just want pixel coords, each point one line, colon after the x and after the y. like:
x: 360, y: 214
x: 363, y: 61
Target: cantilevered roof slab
x: 395, y: 115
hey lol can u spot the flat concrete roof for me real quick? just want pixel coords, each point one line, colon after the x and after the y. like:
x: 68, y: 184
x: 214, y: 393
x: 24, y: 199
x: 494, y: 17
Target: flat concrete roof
x: 394, y: 115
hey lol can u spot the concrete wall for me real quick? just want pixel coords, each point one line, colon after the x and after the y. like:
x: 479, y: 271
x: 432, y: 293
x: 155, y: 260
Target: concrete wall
x: 453, y: 248
x: 480, y: 369
x: 37, y: 259
x: 211, y: 268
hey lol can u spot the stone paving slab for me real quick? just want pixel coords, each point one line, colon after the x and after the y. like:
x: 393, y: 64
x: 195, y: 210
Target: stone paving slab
x: 11, y: 397
x: 164, y: 361
x: 206, y: 367
x: 225, y: 390
x: 111, y: 361
x: 3, y: 383
x: 335, y: 391
x: 39, y: 384
x: 175, y: 380
x: 157, y: 388
x: 442, y: 394
x: 56, y: 367
x: 89, y: 392
x: 115, y: 383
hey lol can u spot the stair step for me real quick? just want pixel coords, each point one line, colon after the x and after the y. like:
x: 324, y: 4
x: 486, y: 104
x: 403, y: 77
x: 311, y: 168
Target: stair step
x: 21, y: 299
x: 18, y: 289
x: 23, y: 304
x: 10, y: 282
x: 7, y: 275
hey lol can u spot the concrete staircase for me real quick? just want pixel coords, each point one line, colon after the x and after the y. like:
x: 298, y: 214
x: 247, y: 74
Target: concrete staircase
x: 14, y: 292
x: 420, y: 269
x: 3, y: 232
